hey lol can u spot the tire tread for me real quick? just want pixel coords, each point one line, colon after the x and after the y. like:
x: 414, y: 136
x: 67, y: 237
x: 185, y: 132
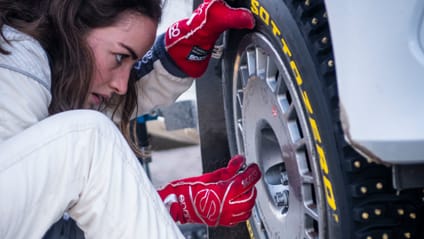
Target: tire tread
x: 369, y: 174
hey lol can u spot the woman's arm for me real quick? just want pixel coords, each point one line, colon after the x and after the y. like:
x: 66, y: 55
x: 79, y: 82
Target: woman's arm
x: 184, y: 51
x: 24, y: 83
x: 160, y: 81
x: 23, y: 102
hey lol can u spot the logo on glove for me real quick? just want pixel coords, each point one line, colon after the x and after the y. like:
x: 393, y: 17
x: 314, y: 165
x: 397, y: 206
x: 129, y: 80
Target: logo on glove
x: 174, y: 31
x: 251, y: 178
x: 207, y: 203
x: 183, y: 203
x: 198, y: 54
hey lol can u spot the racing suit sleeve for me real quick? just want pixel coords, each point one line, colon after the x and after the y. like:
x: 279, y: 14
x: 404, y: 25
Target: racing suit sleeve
x: 185, y: 50
x: 23, y: 102
x: 160, y: 81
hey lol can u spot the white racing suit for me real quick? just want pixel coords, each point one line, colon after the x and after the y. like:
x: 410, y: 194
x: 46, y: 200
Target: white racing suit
x: 75, y: 161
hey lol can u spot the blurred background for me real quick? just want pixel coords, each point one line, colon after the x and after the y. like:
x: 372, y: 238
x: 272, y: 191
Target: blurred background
x: 176, y: 153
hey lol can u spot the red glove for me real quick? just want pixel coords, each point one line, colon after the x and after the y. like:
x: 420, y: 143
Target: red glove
x: 224, y: 197
x: 189, y: 42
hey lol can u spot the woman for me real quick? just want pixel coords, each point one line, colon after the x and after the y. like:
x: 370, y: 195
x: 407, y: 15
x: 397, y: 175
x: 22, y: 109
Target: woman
x: 61, y: 58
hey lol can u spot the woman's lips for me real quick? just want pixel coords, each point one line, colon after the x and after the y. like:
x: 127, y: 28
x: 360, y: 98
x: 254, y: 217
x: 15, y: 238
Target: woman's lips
x: 99, y: 99
x: 96, y: 99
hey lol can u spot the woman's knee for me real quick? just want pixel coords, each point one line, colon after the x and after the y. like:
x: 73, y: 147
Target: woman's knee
x: 70, y: 126
x: 90, y: 118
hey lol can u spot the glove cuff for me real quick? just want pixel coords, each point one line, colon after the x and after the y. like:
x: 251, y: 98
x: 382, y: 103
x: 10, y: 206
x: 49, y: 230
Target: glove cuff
x: 171, y: 201
x: 158, y: 52
x: 178, y: 199
x: 190, y: 42
x: 167, y: 61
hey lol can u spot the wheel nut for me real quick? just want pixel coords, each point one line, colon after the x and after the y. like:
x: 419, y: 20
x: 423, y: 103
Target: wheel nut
x: 282, y: 198
x: 357, y: 164
x: 284, y: 178
x: 307, y: 3
x: 325, y: 15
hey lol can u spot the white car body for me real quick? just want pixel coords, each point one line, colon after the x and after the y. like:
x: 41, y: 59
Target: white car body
x: 379, y: 53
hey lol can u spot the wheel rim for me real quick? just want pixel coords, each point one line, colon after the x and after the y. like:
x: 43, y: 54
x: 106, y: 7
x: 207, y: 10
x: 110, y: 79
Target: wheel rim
x: 271, y: 130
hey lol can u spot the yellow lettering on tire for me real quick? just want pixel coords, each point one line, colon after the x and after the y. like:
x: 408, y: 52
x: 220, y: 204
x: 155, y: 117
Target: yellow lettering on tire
x: 329, y: 193
x: 250, y: 230
x: 307, y: 102
x: 322, y: 159
x: 254, y: 4
x: 315, y: 130
x: 296, y: 73
x: 263, y: 14
x: 286, y: 48
x: 275, y: 29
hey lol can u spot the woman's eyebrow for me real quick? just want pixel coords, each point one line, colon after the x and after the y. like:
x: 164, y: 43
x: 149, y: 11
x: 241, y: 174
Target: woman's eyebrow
x: 130, y: 50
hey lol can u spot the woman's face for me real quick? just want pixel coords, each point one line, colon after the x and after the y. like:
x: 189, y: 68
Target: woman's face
x: 115, y: 49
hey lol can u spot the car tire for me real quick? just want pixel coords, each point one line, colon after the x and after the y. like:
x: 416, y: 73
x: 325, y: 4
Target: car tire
x: 281, y: 111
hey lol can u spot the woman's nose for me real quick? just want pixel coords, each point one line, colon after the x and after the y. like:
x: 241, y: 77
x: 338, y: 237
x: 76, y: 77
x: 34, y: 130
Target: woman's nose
x: 120, y: 84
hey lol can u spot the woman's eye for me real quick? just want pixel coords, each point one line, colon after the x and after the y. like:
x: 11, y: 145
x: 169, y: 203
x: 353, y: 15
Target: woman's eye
x: 119, y: 58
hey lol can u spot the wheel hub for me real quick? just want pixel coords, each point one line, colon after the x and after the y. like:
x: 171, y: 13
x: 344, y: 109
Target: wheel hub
x: 270, y: 130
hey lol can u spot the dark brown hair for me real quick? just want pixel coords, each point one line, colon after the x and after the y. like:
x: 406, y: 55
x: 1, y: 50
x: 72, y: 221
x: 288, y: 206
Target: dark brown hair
x: 60, y: 27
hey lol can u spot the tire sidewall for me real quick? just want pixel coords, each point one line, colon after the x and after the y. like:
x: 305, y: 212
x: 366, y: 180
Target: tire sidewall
x: 272, y: 15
